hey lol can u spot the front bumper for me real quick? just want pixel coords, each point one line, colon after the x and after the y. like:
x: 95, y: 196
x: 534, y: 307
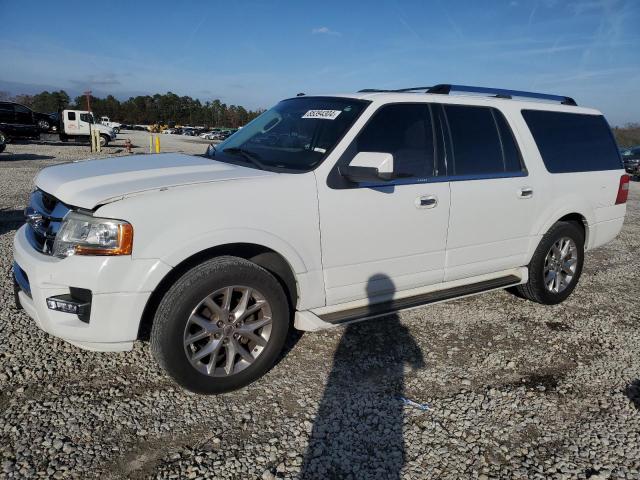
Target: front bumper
x: 120, y: 289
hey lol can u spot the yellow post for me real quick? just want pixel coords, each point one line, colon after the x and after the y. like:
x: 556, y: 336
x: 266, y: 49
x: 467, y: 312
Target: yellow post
x: 98, y: 146
x: 157, y: 143
x: 150, y: 143
x: 93, y: 140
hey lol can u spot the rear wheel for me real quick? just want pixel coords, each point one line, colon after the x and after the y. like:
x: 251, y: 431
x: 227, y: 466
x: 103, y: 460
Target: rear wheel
x: 556, y: 265
x: 104, y: 140
x: 221, y: 326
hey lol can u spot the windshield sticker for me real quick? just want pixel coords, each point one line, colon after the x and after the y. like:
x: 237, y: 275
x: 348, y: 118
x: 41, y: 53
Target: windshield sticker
x: 323, y: 114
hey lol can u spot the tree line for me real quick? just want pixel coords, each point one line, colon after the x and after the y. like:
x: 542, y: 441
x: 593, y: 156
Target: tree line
x: 167, y: 108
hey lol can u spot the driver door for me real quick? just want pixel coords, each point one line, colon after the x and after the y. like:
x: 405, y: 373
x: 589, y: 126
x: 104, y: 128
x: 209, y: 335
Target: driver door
x: 397, y: 230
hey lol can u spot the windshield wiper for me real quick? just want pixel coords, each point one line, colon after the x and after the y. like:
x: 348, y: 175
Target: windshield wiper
x: 248, y: 155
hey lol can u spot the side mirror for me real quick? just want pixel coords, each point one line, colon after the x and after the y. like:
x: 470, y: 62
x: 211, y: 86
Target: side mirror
x: 369, y: 167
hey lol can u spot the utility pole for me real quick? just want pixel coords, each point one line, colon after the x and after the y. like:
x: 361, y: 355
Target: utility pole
x: 88, y: 95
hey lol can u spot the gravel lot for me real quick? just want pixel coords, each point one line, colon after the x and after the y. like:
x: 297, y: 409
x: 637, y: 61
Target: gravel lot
x: 514, y: 389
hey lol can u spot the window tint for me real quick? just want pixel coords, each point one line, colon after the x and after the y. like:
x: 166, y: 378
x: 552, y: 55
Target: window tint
x: 71, y: 115
x: 85, y: 117
x: 6, y: 113
x: 23, y: 115
x: 512, y: 157
x: 405, y: 131
x: 573, y: 142
x: 483, y: 143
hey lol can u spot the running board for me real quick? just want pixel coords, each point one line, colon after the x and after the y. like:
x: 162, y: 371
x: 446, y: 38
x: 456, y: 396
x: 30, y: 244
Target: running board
x: 383, y: 308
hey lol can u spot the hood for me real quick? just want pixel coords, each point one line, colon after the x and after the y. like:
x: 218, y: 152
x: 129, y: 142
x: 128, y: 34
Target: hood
x: 89, y: 183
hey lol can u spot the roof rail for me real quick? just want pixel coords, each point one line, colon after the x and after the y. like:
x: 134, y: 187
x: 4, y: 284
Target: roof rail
x: 446, y: 89
x: 399, y: 90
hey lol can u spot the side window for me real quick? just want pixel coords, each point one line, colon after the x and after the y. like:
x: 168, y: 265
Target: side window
x: 573, y: 142
x: 85, y: 117
x: 405, y: 131
x: 482, y: 142
x: 23, y: 115
x: 6, y: 113
x: 510, y: 150
x: 71, y: 116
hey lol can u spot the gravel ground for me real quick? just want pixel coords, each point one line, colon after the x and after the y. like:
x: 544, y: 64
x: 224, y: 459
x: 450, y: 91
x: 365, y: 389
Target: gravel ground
x: 513, y: 389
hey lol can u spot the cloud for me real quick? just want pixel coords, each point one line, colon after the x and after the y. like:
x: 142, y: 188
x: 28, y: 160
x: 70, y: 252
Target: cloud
x: 104, y: 80
x: 324, y: 31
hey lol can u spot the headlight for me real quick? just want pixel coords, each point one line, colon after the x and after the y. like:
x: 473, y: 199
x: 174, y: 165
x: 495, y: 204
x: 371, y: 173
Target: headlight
x: 82, y: 234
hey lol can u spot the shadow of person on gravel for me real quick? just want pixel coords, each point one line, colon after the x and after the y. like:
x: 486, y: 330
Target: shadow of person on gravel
x: 357, y: 432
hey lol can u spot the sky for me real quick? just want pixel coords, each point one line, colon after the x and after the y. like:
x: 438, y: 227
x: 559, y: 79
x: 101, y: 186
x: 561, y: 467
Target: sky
x: 254, y: 53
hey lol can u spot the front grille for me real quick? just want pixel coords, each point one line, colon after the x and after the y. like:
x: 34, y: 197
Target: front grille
x: 44, y: 216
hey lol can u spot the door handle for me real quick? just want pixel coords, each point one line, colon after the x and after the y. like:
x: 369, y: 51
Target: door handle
x: 525, y: 192
x: 426, y: 201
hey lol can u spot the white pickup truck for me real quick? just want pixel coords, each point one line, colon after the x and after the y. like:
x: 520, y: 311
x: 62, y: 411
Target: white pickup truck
x: 325, y: 210
x: 77, y: 125
x: 106, y: 121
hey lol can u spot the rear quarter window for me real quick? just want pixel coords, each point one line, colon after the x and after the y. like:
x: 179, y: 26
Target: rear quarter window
x: 573, y: 142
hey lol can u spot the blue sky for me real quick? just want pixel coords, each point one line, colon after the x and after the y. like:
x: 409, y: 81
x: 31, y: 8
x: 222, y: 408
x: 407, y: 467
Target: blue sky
x: 254, y: 53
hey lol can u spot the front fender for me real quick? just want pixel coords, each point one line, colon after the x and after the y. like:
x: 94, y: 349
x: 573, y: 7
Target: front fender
x: 237, y: 235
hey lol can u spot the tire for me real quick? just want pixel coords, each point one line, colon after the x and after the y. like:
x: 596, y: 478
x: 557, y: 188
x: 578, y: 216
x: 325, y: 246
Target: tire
x: 104, y: 140
x: 3, y: 143
x: 536, y: 289
x: 175, y: 325
x: 43, y: 125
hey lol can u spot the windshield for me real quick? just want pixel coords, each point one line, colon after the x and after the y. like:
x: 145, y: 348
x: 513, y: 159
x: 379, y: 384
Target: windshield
x: 295, y: 135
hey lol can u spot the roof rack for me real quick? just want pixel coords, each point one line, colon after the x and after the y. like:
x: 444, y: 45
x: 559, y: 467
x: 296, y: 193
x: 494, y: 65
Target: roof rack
x: 399, y: 90
x: 446, y: 89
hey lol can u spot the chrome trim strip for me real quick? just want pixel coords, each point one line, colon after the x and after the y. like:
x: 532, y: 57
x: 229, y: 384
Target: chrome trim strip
x: 44, y: 223
x: 444, y: 178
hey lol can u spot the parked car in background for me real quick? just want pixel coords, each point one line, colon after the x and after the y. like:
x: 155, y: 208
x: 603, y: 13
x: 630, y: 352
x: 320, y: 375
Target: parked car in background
x: 106, y: 121
x: 168, y: 131
x: 19, y: 121
x: 631, y: 159
x: 398, y: 200
x: 189, y: 132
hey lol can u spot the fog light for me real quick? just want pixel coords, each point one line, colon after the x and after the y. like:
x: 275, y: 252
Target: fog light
x: 69, y: 304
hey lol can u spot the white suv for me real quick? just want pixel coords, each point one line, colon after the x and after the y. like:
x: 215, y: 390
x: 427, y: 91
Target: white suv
x: 324, y: 210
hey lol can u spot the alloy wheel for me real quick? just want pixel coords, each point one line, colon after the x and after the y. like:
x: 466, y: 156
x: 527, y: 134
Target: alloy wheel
x: 228, y: 330
x: 560, y: 265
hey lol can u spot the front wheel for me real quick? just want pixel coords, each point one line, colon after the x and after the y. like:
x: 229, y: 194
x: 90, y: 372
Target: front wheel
x: 556, y: 265
x: 221, y: 326
x: 104, y: 140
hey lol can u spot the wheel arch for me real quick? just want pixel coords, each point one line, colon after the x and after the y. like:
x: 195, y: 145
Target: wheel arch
x: 580, y: 220
x: 566, y: 214
x: 267, y: 258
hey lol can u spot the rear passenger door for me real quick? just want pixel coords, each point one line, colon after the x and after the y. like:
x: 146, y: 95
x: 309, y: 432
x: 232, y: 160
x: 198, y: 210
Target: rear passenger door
x: 493, y: 199
x: 24, y: 121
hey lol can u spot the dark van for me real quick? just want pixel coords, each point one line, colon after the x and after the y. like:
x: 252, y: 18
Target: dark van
x: 18, y: 121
